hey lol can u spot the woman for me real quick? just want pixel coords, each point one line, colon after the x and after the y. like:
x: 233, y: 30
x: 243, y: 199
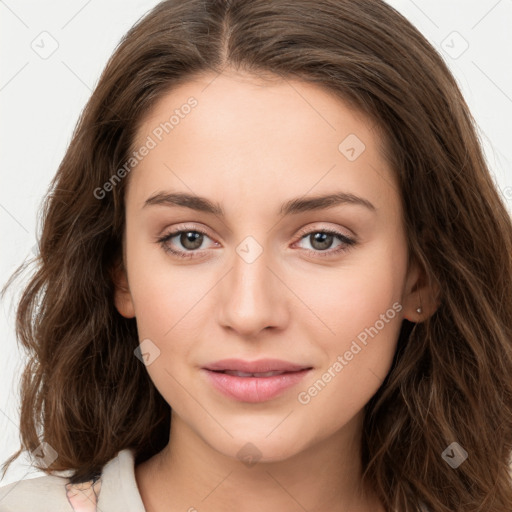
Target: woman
x: 274, y: 273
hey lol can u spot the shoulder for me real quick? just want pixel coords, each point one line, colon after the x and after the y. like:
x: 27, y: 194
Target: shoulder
x: 44, y: 493
x: 115, y: 489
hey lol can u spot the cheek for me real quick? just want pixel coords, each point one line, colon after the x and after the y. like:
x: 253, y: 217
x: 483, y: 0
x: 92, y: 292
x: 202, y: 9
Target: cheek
x: 162, y: 292
x: 363, y: 311
x: 360, y: 309
x: 353, y: 296
x: 166, y: 301
x: 168, y: 311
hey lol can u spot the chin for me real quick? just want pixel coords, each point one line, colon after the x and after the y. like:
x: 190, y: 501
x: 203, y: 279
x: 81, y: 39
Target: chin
x: 250, y: 449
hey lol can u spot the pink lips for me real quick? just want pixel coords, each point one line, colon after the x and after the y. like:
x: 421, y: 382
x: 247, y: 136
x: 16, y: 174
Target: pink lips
x: 257, y: 388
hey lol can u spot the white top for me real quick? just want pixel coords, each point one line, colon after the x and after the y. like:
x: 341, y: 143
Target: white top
x: 115, y: 491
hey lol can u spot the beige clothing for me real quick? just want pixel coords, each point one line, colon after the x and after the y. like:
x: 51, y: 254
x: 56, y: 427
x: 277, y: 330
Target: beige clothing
x: 115, y: 491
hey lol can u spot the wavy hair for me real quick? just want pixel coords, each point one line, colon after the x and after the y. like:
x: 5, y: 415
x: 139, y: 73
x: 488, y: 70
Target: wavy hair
x: 85, y: 393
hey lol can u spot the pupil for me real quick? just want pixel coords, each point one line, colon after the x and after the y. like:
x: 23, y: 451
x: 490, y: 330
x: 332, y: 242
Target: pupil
x: 321, y: 241
x: 191, y: 240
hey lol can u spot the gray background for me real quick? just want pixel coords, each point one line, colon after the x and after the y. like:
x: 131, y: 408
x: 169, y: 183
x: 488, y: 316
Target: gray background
x: 41, y: 96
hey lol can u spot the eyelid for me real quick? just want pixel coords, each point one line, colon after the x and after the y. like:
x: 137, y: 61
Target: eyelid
x: 335, y: 230
x: 302, y: 231
x: 347, y: 241
x: 178, y: 228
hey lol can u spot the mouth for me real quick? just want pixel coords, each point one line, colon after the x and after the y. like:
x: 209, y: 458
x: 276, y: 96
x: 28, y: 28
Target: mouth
x: 236, y: 373
x: 258, y: 368
x: 254, y: 386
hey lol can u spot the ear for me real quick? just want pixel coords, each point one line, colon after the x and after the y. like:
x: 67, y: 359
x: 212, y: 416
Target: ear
x: 419, y: 293
x: 122, y: 296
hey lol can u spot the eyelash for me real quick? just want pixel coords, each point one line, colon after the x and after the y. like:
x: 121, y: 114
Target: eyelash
x: 347, y: 242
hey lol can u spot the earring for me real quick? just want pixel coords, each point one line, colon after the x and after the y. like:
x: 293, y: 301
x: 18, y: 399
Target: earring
x: 419, y: 310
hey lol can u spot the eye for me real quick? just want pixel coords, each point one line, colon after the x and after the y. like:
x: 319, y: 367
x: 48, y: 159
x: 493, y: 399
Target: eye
x: 189, y: 239
x: 322, y: 240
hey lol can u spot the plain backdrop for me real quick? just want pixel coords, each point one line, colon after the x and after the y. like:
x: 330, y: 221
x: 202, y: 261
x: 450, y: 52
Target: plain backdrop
x: 52, y: 54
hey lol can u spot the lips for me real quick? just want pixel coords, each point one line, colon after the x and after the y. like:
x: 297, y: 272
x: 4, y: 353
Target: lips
x: 255, y: 367
x: 254, y: 381
x: 249, y: 374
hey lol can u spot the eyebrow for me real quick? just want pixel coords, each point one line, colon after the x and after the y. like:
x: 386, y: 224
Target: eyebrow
x: 293, y: 206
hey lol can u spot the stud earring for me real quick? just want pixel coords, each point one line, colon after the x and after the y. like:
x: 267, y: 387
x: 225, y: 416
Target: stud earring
x: 419, y: 311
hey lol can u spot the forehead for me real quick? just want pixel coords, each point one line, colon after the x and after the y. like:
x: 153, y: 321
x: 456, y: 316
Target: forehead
x: 255, y: 134
x: 248, y: 103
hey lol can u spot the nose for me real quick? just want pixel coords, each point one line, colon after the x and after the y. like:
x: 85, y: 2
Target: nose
x: 253, y: 296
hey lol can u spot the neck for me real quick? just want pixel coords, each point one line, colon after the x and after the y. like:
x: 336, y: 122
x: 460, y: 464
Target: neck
x: 190, y: 475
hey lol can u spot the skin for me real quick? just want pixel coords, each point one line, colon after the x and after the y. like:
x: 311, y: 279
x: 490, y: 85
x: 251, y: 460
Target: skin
x: 251, y: 146
x: 83, y: 497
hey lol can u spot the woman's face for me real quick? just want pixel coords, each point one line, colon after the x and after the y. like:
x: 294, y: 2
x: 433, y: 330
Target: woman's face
x: 246, y: 163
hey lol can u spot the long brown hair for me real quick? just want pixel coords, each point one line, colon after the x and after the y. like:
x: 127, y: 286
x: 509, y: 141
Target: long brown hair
x: 85, y: 393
